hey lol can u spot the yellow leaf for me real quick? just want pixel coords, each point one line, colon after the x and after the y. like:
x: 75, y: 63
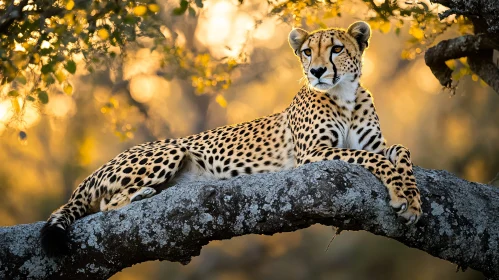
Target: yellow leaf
x: 451, y: 64
x: 69, y: 18
x: 70, y: 5
x: 416, y: 32
x: 140, y: 10
x: 103, y: 33
x: 153, y: 8
x: 221, y: 101
x: 15, y: 104
x: 385, y: 27
x: 68, y: 89
x: 60, y: 76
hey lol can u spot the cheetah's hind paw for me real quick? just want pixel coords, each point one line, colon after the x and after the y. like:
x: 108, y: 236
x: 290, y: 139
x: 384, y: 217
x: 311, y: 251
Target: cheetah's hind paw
x: 144, y: 192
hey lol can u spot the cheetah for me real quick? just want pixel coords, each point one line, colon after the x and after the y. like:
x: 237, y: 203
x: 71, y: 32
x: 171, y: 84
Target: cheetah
x: 331, y: 118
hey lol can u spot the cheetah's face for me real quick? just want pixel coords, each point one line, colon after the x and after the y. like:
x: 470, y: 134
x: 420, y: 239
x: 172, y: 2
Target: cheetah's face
x: 332, y: 56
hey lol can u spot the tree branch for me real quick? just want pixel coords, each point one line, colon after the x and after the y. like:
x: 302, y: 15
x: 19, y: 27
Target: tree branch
x: 464, y: 46
x: 460, y: 223
x: 485, y: 10
x: 12, y: 13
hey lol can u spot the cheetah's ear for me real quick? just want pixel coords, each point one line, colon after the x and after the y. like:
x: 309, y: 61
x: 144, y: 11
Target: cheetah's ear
x: 361, y: 31
x: 296, y: 38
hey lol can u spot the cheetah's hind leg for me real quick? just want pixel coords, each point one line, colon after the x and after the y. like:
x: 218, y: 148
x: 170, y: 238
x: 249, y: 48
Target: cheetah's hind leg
x: 126, y: 197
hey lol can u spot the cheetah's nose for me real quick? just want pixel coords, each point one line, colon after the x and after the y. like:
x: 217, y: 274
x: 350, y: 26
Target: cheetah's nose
x: 318, y: 72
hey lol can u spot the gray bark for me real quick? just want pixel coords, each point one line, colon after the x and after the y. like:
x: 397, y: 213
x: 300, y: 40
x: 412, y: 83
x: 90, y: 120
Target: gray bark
x: 460, y: 222
x: 484, y: 14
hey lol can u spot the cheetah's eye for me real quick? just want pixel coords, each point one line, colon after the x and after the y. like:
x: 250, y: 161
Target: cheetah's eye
x: 337, y: 49
x: 307, y: 52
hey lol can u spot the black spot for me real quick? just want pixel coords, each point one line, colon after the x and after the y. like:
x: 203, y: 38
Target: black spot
x: 161, y: 174
x: 127, y: 170
x: 125, y: 181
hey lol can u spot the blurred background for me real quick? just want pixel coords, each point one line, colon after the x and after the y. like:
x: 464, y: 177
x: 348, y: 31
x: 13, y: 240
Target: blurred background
x: 135, y: 100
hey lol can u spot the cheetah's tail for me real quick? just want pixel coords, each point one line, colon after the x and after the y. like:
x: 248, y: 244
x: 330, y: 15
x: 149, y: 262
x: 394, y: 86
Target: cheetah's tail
x: 54, y: 236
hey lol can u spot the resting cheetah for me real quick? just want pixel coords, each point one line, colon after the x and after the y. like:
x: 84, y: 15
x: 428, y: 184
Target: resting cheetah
x: 331, y: 118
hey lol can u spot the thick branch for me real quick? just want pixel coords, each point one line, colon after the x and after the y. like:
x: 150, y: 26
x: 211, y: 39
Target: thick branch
x: 460, y: 223
x: 465, y: 46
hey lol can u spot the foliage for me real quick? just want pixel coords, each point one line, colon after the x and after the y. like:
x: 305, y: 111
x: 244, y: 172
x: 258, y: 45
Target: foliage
x: 44, y: 43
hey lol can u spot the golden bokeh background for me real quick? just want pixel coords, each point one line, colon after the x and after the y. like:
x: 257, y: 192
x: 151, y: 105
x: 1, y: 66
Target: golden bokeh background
x: 73, y: 135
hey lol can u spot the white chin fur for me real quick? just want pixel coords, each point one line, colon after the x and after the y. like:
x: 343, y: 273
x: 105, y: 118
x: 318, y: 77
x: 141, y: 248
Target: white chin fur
x: 322, y: 87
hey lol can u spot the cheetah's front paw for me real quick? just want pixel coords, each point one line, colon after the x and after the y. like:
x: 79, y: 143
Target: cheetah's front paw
x: 407, y: 204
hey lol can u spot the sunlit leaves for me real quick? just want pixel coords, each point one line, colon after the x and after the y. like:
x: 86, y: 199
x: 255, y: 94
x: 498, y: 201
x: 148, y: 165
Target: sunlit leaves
x: 153, y: 8
x: 93, y: 34
x: 381, y: 25
x: 67, y: 88
x: 220, y: 99
x: 117, y: 115
x: 140, y: 10
x: 103, y: 34
x: 70, y: 5
x: 416, y: 32
x: 313, y: 12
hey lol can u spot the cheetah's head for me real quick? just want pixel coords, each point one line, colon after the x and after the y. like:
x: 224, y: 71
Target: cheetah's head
x: 331, y: 56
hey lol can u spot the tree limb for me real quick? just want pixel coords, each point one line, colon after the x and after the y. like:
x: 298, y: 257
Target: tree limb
x: 460, y: 222
x: 471, y: 46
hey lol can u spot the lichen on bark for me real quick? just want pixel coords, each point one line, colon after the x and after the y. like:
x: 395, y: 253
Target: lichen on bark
x: 460, y: 221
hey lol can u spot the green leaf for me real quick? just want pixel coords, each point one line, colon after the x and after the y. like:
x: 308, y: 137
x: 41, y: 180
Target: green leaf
x: 43, y: 97
x: 70, y: 66
x: 13, y: 93
x: 199, y: 3
x: 30, y: 98
x: 21, y: 79
x: 47, y: 68
x: 181, y: 10
x: 48, y: 79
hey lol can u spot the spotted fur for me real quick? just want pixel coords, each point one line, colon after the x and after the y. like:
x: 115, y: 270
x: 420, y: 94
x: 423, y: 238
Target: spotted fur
x: 331, y: 118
